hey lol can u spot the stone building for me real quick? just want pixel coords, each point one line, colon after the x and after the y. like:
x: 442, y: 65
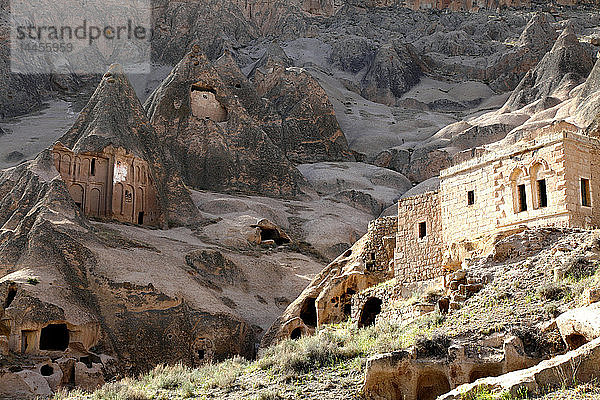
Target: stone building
x: 546, y: 179
x: 112, y: 184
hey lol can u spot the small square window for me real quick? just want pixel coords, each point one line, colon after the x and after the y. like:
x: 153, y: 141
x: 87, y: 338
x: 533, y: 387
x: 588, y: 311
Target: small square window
x: 422, y: 230
x: 586, y: 200
x: 470, y: 197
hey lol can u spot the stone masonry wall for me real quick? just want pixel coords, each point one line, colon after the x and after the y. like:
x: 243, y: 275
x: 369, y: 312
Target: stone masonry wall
x: 495, y: 179
x: 419, y: 258
x: 379, y: 249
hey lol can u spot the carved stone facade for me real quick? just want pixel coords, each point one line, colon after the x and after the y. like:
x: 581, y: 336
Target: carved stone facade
x: 113, y: 184
x: 206, y: 106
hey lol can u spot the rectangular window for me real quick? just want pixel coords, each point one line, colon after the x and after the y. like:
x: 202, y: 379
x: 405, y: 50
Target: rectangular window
x: 470, y: 197
x: 422, y: 230
x: 586, y: 200
x: 522, y: 198
x: 542, y: 193
x: 93, y: 167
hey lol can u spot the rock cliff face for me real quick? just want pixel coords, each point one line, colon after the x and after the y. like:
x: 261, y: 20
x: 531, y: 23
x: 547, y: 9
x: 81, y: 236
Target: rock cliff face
x: 223, y: 154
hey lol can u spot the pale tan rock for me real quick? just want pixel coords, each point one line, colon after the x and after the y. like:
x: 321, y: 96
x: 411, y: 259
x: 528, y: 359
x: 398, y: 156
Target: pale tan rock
x: 580, y: 365
x: 580, y: 325
x: 88, y: 378
x: 39, y: 386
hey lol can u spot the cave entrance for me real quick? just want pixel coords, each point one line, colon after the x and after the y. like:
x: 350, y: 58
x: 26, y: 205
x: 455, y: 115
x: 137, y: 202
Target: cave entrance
x: 485, y: 371
x: 369, y: 312
x: 431, y: 385
x: 575, y: 340
x: 308, y: 313
x: 47, y: 370
x: 274, y: 235
x: 296, y: 334
x: 12, y: 292
x: 54, y: 337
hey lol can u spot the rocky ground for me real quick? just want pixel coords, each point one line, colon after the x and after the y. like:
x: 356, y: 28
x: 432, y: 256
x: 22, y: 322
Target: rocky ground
x: 331, y: 364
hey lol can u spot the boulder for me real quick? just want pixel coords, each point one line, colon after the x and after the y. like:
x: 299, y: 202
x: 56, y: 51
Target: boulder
x: 36, y: 382
x: 580, y: 325
x: 88, y: 378
x: 14, y: 387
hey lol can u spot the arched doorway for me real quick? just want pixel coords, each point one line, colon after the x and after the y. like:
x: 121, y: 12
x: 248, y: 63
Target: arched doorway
x: 369, y: 312
x: 432, y: 384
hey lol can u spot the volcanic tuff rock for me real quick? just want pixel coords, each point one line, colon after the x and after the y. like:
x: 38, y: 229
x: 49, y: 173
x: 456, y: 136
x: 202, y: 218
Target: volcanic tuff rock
x: 394, y: 70
x: 227, y: 154
x: 564, y: 67
x: 291, y: 107
x: 114, y: 117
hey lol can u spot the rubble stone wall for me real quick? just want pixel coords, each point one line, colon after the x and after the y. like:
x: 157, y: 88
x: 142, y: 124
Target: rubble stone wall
x: 418, y: 255
x: 379, y: 249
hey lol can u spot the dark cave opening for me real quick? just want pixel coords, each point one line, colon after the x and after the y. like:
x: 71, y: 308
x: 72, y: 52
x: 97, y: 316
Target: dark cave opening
x: 54, y: 337
x: 308, y: 313
x: 369, y: 312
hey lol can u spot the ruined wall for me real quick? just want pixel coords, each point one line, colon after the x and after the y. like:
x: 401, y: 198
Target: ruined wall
x: 206, y: 106
x: 109, y: 185
x: 502, y: 182
x: 419, y: 257
x: 379, y: 250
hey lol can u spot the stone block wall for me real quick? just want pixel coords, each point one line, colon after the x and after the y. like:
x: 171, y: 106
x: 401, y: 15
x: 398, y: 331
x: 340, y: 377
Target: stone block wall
x: 419, y: 258
x: 379, y: 249
x: 496, y: 180
x: 582, y: 160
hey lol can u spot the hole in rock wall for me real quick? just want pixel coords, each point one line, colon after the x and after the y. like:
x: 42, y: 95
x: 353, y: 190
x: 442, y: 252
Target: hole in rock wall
x: 46, y: 370
x: 308, y: 313
x: 296, y: 334
x: 484, y: 371
x: 272, y: 234
x: 54, y: 337
x: 201, y: 353
x: 370, y: 311
x: 12, y: 292
x: 431, y: 385
x: 575, y: 340
x: 205, y: 105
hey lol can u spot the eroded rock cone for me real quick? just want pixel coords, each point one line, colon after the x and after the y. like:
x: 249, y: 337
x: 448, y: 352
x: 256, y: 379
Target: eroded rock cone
x: 214, y: 142
x: 308, y: 130
x: 395, y: 69
x: 113, y: 127
x: 564, y: 67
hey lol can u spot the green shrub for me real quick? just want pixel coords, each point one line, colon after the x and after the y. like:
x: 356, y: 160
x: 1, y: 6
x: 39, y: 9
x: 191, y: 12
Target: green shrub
x: 33, y: 281
x: 552, y: 291
x: 579, y: 267
x: 436, y: 346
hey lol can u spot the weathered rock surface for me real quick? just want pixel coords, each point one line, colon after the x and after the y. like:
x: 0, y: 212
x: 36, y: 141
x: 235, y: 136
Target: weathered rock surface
x: 564, y: 67
x: 580, y: 325
x: 290, y: 106
x: 114, y: 117
x: 236, y: 155
x: 577, y: 366
x: 364, y: 186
